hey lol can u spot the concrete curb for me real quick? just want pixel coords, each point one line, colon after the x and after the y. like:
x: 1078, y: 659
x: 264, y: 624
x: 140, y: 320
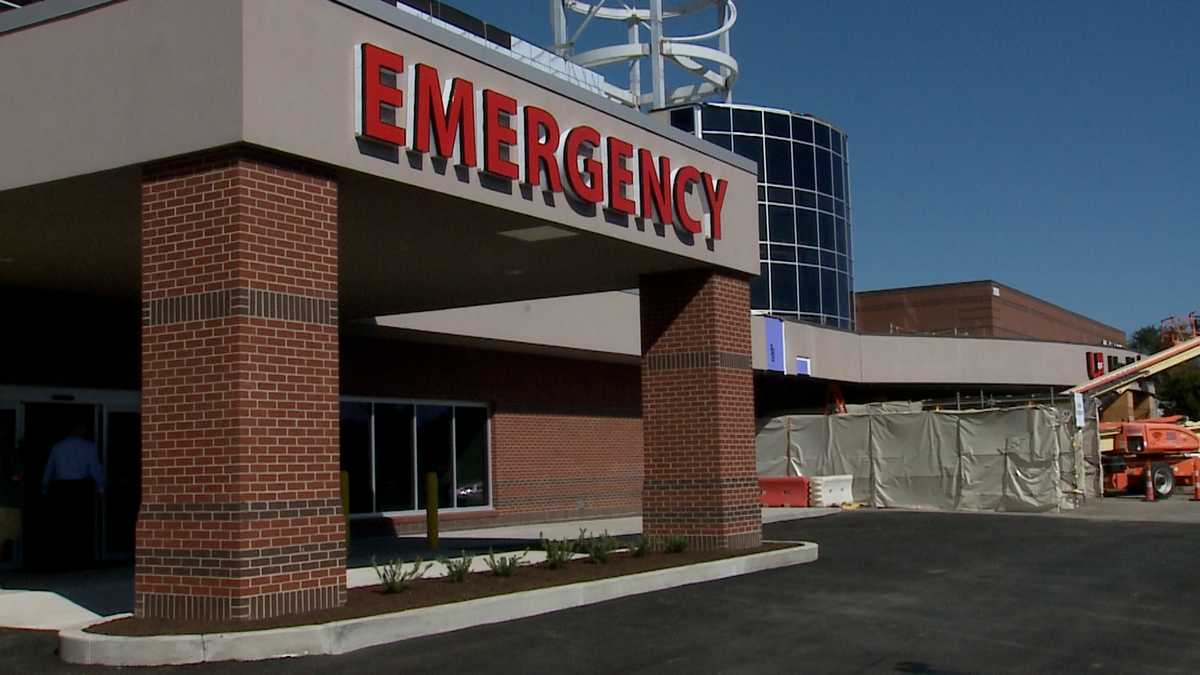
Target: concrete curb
x: 339, y: 637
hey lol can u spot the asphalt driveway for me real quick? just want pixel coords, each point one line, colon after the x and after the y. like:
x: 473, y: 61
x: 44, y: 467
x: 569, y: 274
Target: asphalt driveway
x: 892, y: 592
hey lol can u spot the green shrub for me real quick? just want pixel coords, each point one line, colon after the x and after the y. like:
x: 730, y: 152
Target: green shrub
x: 505, y: 565
x: 599, y: 547
x: 395, y: 575
x: 558, y: 551
x: 676, y: 544
x: 640, y: 547
x: 457, y: 569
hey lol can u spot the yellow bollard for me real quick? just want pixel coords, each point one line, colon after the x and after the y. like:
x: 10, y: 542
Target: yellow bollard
x: 431, y: 511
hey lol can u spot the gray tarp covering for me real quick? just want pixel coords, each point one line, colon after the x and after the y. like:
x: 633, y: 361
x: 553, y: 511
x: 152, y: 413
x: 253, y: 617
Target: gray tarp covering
x: 1021, y: 459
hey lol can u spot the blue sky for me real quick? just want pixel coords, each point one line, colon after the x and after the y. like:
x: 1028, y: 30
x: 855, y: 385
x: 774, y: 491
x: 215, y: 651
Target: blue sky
x: 1051, y: 146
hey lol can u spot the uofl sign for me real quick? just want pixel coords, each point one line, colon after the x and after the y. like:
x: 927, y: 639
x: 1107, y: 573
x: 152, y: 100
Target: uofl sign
x: 412, y: 107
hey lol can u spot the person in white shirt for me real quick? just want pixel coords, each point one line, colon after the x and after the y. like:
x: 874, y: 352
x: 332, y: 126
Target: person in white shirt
x: 72, y: 478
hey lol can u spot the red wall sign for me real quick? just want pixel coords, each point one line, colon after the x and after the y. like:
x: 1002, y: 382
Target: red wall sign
x: 415, y: 108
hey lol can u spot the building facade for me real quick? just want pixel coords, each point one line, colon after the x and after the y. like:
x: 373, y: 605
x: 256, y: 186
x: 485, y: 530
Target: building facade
x: 806, y: 262
x: 977, y: 308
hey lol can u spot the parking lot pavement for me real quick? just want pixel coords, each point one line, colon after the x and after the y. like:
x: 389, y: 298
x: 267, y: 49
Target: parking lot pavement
x: 892, y: 592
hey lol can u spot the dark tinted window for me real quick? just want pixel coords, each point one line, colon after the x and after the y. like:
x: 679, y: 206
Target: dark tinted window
x: 750, y: 147
x: 802, y: 129
x: 783, y: 253
x: 825, y: 203
x: 810, y: 289
x: 845, y: 297
x: 713, y: 118
x: 394, y: 457
x: 828, y: 258
x: 779, y: 162
x: 809, y: 256
x: 470, y: 457
x: 841, y: 235
x: 803, y: 162
x: 822, y: 134
x: 805, y: 198
x: 763, y: 254
x: 783, y: 226
x: 762, y: 222
x: 835, y: 141
x: 806, y: 227
x: 829, y: 292
x: 778, y: 125
x: 760, y: 289
x: 843, y: 264
x: 722, y: 140
x: 783, y: 287
x: 356, y: 455
x: 837, y: 178
x: 434, y: 452
x: 779, y: 195
x: 824, y: 172
x: 749, y: 121
x: 684, y: 118
x: 827, y: 236
x: 762, y: 193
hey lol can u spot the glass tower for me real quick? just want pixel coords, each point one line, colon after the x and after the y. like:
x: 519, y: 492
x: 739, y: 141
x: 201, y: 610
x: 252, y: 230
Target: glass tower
x: 803, y: 206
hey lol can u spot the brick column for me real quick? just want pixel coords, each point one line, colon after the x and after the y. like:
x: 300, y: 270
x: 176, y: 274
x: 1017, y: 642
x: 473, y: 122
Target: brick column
x: 241, y: 510
x: 698, y: 410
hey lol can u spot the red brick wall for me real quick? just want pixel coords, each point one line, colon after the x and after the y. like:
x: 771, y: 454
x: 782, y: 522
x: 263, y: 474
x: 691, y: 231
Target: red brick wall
x: 698, y: 410
x: 241, y: 515
x: 566, y: 433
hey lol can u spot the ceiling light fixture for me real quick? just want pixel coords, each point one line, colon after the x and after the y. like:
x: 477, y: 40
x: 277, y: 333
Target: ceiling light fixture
x: 539, y: 233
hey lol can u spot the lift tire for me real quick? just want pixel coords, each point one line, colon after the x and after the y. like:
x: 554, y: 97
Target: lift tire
x: 1163, y: 477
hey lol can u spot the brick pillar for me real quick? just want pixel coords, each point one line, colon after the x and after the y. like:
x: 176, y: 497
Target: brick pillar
x: 698, y: 410
x: 241, y: 513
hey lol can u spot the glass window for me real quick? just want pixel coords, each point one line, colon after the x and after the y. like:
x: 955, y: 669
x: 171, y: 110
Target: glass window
x: 802, y: 129
x: 802, y: 158
x: 824, y: 172
x: 837, y: 178
x: 806, y: 198
x: 714, y: 118
x: 394, y: 457
x: 827, y: 238
x: 839, y: 207
x: 835, y: 141
x: 778, y: 125
x: 747, y: 121
x: 828, y: 258
x: 810, y: 289
x: 763, y: 252
x: 843, y: 295
x: 470, y: 457
x: 829, y: 321
x: 810, y: 256
x: 779, y: 195
x: 750, y: 147
x: 825, y: 203
x: 806, y: 227
x: 762, y: 193
x: 762, y: 222
x: 840, y: 226
x: 783, y: 287
x: 723, y: 140
x: 821, y: 135
x: 783, y: 225
x: 684, y: 118
x: 843, y: 264
x: 760, y: 293
x: 783, y: 253
x: 829, y: 292
x: 814, y: 318
x: 356, y: 455
x: 779, y: 162
x: 433, y: 452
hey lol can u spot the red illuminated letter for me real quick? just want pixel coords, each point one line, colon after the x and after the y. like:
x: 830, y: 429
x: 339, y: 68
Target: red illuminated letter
x: 586, y: 139
x: 619, y: 176
x: 655, y: 187
x: 684, y: 179
x: 373, y: 94
x: 714, y: 198
x: 497, y: 135
x: 541, y: 146
x: 451, y: 116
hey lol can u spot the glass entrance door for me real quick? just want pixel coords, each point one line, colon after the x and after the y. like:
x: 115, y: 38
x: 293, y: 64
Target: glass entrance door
x: 53, y: 529
x: 123, y: 466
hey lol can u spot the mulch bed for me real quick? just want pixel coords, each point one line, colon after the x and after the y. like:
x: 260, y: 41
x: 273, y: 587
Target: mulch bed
x: 370, y: 601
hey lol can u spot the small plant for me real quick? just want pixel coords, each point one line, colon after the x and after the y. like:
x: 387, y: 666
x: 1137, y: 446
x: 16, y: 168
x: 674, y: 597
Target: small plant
x: 558, y: 551
x: 640, y: 547
x: 396, y: 576
x: 599, y: 547
x: 505, y: 565
x: 676, y: 544
x: 457, y: 569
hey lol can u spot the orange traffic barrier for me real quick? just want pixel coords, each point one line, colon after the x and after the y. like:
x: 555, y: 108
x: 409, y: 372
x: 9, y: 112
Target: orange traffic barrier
x: 1149, y: 483
x: 783, y: 490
